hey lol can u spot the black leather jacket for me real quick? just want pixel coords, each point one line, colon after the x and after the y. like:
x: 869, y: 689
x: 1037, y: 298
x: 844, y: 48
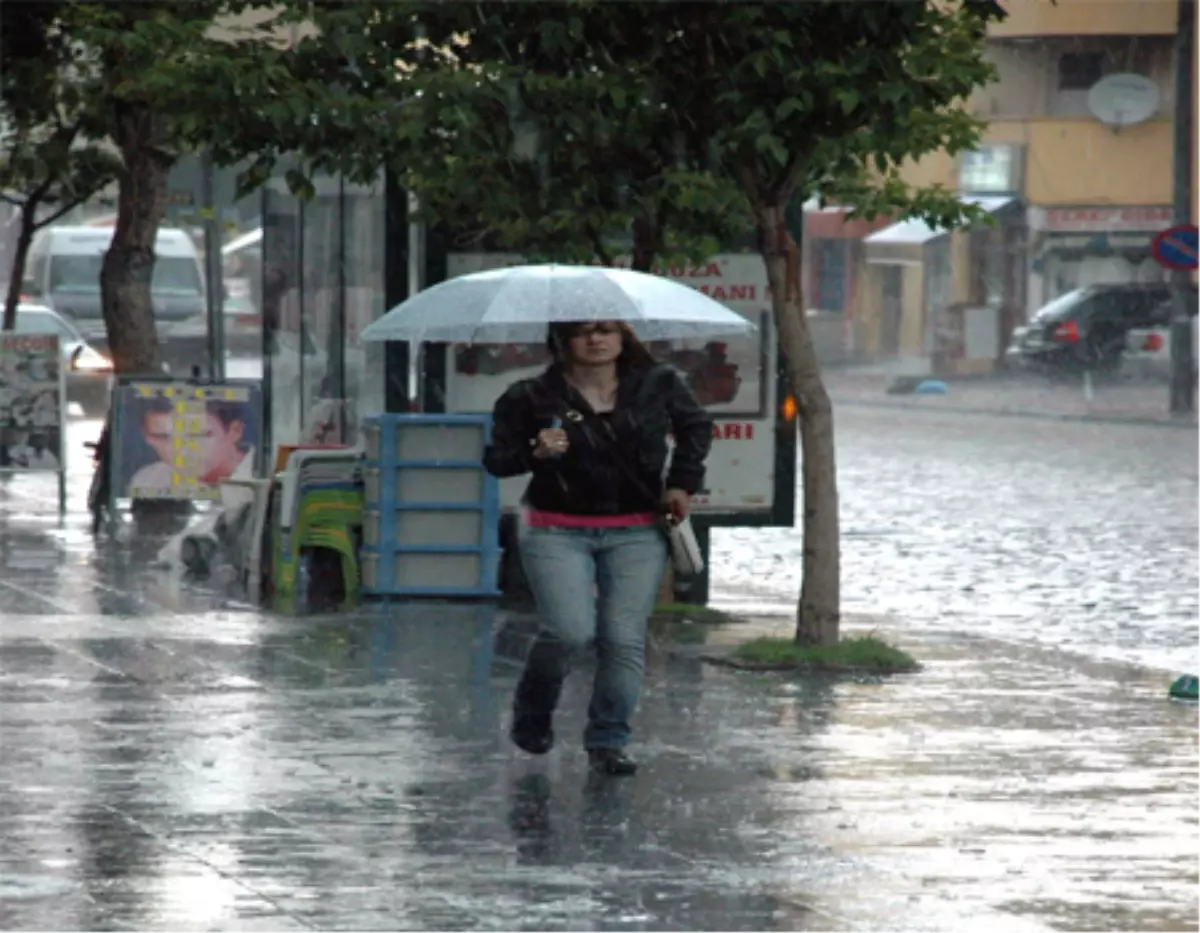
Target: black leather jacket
x: 615, y: 462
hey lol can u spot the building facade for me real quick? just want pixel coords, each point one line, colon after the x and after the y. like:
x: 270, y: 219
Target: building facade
x: 1075, y: 163
x: 1080, y: 124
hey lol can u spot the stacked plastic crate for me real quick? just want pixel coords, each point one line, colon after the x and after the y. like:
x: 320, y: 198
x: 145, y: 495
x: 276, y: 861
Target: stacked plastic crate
x: 431, y: 513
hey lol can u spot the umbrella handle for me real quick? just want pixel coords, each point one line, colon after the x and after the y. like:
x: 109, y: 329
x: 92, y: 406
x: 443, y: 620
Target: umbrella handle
x: 555, y: 425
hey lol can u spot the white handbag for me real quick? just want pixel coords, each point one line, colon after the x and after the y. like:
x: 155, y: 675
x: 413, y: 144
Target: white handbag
x: 686, y: 556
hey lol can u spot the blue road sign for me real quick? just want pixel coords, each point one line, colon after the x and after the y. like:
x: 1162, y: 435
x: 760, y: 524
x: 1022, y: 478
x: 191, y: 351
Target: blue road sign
x: 1176, y: 248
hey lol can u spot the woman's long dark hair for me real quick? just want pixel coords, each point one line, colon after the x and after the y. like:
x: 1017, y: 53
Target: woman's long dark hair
x: 634, y: 354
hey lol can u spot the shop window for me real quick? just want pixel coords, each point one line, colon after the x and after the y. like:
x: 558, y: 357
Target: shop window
x: 831, y: 271
x: 322, y: 285
x: 994, y: 169
x: 1078, y: 71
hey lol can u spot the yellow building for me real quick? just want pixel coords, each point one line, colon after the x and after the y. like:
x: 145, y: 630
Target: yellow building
x: 1075, y: 163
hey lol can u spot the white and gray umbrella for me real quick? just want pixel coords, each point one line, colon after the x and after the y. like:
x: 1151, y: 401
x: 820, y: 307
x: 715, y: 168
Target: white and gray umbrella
x: 514, y: 305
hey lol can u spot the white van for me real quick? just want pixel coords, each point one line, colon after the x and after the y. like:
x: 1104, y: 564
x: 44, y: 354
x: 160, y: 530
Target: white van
x: 63, y: 272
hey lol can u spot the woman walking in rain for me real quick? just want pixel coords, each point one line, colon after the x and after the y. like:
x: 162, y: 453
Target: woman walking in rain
x: 593, y: 429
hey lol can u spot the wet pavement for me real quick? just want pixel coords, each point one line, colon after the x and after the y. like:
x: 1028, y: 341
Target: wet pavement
x: 1121, y: 398
x: 171, y: 759
x: 1077, y: 536
x: 228, y: 771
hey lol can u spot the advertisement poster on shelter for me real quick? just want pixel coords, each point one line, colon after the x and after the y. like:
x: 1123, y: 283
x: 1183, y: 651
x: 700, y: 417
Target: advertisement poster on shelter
x: 31, y: 402
x: 180, y: 440
x: 726, y: 375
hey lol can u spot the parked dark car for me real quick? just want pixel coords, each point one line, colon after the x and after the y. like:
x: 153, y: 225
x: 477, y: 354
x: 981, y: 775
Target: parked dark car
x: 1086, y: 328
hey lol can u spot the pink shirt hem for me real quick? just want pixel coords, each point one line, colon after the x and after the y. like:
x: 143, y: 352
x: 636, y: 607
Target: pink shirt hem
x: 535, y: 518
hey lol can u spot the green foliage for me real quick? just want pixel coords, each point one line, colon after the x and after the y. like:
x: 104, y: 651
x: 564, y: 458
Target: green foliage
x: 568, y: 130
x: 867, y: 652
x: 517, y: 126
x: 47, y: 164
x: 196, y: 77
x: 690, y: 612
x: 47, y: 159
x: 48, y: 170
x: 148, y: 82
x: 846, y: 94
x: 181, y: 77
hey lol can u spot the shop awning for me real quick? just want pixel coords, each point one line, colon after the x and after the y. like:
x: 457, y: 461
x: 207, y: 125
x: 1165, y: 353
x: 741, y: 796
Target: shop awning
x: 916, y: 232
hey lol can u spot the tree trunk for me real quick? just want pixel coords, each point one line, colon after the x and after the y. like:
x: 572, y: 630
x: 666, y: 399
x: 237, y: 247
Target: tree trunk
x: 129, y: 263
x: 16, y: 274
x: 819, y: 611
x: 647, y: 242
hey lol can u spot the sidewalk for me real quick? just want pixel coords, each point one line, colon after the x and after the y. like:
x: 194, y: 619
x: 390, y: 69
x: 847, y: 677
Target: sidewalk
x: 171, y: 764
x: 1010, y: 779
x: 1017, y: 396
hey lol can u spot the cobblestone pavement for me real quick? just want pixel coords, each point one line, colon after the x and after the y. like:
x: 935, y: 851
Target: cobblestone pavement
x: 1022, y: 396
x: 171, y: 759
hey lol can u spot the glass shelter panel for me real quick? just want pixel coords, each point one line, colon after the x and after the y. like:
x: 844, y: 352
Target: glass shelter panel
x: 322, y: 284
x: 281, y: 290
x: 363, y: 239
x: 322, y: 303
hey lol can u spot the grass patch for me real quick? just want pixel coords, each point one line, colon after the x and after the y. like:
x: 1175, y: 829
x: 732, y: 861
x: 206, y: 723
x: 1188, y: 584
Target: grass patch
x: 689, y: 612
x: 689, y: 635
x: 863, y: 653
x: 685, y: 623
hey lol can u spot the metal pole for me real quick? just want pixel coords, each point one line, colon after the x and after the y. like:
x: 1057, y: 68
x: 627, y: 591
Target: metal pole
x: 416, y: 275
x: 416, y: 268
x: 1182, y: 362
x: 214, y: 284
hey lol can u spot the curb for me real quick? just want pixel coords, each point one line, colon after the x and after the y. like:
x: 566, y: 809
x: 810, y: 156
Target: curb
x: 1139, y: 420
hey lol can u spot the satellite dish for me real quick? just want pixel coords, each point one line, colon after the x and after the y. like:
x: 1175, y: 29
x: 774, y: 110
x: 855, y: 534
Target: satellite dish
x: 1123, y: 99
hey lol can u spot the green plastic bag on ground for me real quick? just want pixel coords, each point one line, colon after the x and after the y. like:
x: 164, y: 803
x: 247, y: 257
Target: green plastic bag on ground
x: 1186, y: 687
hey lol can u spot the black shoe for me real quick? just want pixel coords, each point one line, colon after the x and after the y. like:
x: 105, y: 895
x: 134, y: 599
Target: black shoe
x: 611, y: 761
x: 532, y: 733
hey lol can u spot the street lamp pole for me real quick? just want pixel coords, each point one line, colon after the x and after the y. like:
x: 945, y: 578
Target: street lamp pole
x: 1182, y: 362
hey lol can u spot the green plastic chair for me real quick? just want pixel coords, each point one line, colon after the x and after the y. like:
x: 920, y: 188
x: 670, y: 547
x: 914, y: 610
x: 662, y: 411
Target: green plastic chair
x: 325, y: 518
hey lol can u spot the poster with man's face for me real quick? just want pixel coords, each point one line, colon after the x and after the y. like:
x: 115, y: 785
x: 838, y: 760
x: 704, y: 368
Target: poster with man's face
x: 181, y: 441
x: 31, y: 402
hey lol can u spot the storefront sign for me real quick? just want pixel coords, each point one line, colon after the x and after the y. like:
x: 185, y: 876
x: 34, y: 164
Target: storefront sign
x: 1098, y: 219
x: 179, y: 440
x: 733, y: 431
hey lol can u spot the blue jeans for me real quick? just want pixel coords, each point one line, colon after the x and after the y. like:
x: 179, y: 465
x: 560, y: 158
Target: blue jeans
x: 562, y: 565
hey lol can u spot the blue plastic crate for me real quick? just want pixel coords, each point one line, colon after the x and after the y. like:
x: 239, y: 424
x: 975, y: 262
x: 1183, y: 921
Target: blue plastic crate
x: 430, y: 571
x: 392, y: 568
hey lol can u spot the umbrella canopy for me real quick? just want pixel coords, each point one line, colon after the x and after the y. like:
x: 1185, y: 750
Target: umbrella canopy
x: 514, y: 305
